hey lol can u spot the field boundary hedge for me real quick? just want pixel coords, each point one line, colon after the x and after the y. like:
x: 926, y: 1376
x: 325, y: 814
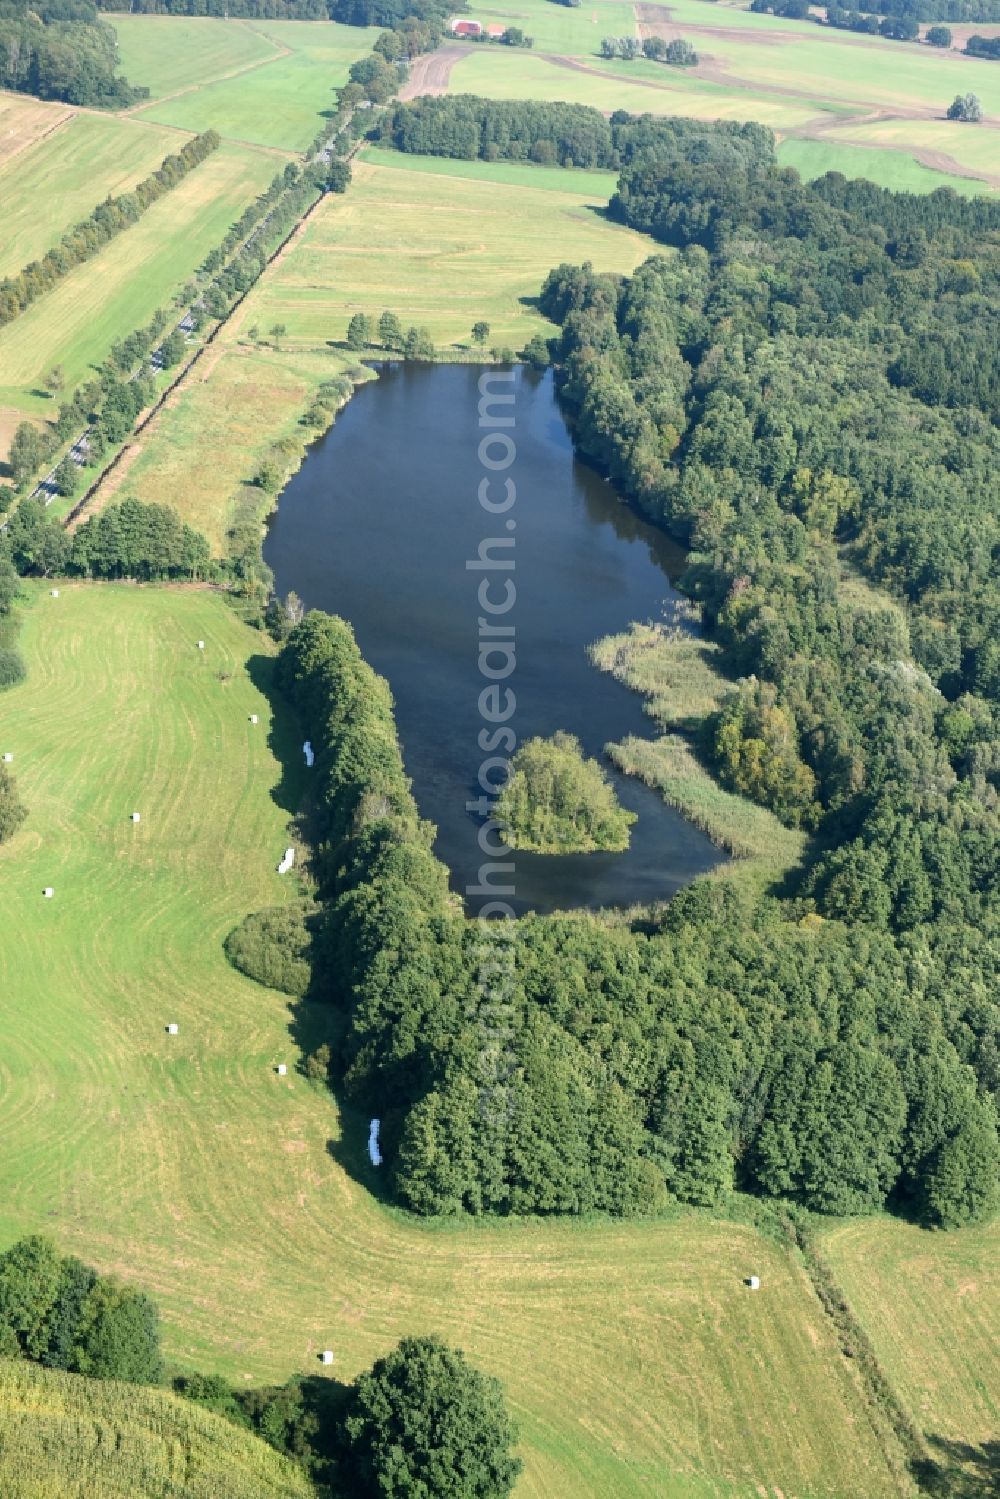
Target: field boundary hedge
x: 109, y: 219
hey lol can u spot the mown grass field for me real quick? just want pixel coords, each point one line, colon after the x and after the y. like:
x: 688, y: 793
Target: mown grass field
x: 240, y: 401
x: 24, y: 120
x: 836, y: 66
x: 105, y: 298
x: 597, y: 186
x: 66, y: 1437
x: 266, y: 82
x: 931, y: 1305
x: 978, y: 150
x: 62, y: 177
x: 634, y: 1357
x: 169, y: 53
x: 892, y: 169
x: 501, y: 73
x: 441, y: 250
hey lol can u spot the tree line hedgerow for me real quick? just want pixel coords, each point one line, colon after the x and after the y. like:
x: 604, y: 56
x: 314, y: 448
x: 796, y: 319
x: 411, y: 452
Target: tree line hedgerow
x: 568, y: 135
x: 109, y: 218
x: 908, y: 13
x: 109, y: 405
x: 130, y: 539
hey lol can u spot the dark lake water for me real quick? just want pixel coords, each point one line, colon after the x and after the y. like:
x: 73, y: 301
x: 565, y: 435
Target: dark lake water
x: 378, y: 525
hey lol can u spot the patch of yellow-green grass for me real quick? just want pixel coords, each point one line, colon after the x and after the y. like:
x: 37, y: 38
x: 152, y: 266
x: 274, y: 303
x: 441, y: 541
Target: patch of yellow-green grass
x: 763, y: 849
x: 855, y: 591
x: 678, y: 673
x: 10, y: 419
x: 835, y: 66
x: 62, y: 178
x: 937, y: 140
x: 887, y: 168
x: 322, y: 40
x: 441, y: 251
x: 642, y: 88
x: 930, y: 1302
x: 67, y: 1437
x: 597, y: 186
x: 104, y: 299
x: 234, y: 406
x: 170, y: 53
x: 280, y: 101
x: 24, y: 121
x: 635, y: 1360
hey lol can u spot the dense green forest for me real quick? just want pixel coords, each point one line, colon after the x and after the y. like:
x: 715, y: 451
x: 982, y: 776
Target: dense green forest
x: 570, y: 135
x: 149, y: 543
x: 270, y: 10
x: 866, y: 17
x: 59, y: 1312
x: 722, y: 1044
x: 392, y: 13
x: 809, y: 383
x: 61, y: 49
x: 802, y: 388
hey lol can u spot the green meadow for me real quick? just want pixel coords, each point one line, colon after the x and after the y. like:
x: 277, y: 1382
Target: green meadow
x: 441, y: 248
x: 501, y: 73
x: 62, y: 177
x: 892, y: 169
x: 167, y: 54
x: 272, y: 91
x: 597, y: 185
x: 977, y: 150
x: 635, y: 1359
x: 835, y: 66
